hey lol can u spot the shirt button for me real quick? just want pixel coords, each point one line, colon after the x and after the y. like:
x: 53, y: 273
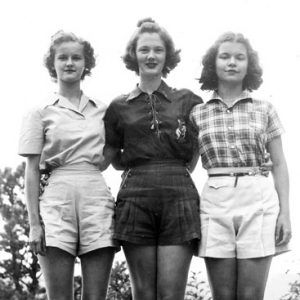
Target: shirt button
x: 232, y: 147
x: 228, y: 110
x: 230, y: 127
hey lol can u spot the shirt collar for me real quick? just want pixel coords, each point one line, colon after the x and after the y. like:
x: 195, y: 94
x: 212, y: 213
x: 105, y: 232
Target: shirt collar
x: 245, y: 95
x: 62, y: 101
x: 163, y: 89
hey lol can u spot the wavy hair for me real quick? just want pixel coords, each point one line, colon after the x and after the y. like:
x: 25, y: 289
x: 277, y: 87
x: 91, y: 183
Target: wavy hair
x: 61, y: 37
x: 209, y: 78
x: 148, y: 25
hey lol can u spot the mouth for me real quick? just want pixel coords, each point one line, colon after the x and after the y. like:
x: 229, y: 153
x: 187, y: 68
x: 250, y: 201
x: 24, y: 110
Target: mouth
x: 151, y: 65
x: 232, y: 71
x: 70, y: 71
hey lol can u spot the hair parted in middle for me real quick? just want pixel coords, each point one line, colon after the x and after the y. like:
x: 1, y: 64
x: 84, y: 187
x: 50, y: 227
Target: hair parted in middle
x: 61, y: 37
x: 209, y: 78
x: 148, y: 25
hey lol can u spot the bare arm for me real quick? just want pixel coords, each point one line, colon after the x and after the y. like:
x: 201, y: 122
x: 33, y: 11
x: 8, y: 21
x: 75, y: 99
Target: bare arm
x: 281, y: 181
x: 32, y: 185
x: 112, y: 156
x: 192, y: 164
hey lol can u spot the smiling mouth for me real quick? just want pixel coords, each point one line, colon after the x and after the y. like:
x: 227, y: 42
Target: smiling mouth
x: 151, y: 65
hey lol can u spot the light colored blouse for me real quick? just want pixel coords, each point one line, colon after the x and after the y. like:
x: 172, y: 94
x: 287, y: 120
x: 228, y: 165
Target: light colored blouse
x: 63, y: 134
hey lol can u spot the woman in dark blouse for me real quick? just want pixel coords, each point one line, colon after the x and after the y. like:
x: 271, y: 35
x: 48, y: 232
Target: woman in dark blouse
x: 153, y: 141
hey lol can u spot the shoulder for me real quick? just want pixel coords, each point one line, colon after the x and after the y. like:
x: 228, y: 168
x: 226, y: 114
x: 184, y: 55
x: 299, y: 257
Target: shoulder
x: 101, y: 105
x: 186, y: 95
x: 264, y: 105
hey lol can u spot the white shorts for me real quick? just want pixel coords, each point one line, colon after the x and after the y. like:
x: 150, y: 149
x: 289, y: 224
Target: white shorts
x: 238, y: 221
x: 77, y: 210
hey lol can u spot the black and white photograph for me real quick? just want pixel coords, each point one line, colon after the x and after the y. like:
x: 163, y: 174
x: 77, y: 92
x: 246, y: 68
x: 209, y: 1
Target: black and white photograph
x: 149, y: 150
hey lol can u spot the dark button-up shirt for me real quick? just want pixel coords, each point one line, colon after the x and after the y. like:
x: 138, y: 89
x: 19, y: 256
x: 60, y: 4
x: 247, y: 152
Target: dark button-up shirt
x: 152, y: 127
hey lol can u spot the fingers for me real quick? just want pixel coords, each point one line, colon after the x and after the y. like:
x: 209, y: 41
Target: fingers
x: 283, y: 235
x: 38, y: 247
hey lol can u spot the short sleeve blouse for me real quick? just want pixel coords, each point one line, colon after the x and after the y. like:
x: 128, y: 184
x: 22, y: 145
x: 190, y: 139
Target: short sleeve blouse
x: 63, y: 134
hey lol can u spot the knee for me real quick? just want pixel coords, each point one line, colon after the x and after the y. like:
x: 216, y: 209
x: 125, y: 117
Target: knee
x: 224, y: 293
x: 170, y: 294
x: 143, y: 293
x: 249, y: 293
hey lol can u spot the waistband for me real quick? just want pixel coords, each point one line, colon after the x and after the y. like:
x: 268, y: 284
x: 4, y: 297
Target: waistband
x: 240, y: 171
x: 159, y: 162
x: 83, y: 166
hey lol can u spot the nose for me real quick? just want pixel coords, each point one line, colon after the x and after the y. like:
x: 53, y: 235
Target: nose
x: 69, y: 61
x: 151, y: 54
x: 232, y: 61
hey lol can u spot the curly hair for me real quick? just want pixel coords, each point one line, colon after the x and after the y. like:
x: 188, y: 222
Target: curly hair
x: 148, y: 25
x: 209, y: 78
x: 61, y: 37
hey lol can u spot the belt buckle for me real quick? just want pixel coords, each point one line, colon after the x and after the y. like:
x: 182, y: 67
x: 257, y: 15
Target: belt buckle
x: 232, y: 174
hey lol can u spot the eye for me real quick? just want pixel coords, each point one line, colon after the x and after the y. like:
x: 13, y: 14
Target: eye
x: 223, y: 56
x: 143, y: 49
x: 77, y: 57
x: 159, y: 50
x: 241, y: 57
x: 62, y: 57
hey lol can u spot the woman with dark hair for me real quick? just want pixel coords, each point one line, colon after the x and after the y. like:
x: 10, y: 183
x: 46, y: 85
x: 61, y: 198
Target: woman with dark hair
x: 157, y: 211
x: 74, y: 215
x: 244, y: 216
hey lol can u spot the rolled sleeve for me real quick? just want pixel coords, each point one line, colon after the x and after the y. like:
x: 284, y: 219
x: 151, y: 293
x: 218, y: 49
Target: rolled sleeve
x: 113, y: 134
x: 32, y: 134
x: 275, y: 127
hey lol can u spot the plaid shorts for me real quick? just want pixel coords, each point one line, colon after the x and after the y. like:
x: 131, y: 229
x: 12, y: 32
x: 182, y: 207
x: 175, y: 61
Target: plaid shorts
x: 158, y: 204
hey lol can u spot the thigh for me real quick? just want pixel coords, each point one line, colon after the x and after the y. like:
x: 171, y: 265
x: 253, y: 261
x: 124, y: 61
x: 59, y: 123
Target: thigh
x: 142, y: 264
x: 252, y: 277
x: 222, y: 277
x: 173, y: 264
x: 96, y: 266
x: 58, y: 269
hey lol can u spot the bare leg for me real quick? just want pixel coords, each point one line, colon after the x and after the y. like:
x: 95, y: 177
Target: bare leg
x: 252, y: 277
x: 141, y: 262
x: 58, y: 269
x: 96, y: 266
x: 173, y: 263
x: 222, y: 277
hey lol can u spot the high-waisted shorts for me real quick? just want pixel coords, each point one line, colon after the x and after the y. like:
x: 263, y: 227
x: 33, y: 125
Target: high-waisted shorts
x: 158, y: 204
x: 77, y: 209
x: 238, y: 217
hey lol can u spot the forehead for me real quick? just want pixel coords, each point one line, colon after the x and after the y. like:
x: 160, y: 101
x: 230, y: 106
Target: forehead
x: 69, y: 47
x: 232, y: 47
x: 150, y: 39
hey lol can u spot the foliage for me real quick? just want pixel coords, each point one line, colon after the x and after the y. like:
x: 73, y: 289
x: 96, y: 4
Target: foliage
x: 19, y: 269
x: 197, y: 288
x: 119, y: 287
x: 294, y: 292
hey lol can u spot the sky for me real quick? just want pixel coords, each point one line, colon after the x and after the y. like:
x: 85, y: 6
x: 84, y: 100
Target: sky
x: 272, y: 27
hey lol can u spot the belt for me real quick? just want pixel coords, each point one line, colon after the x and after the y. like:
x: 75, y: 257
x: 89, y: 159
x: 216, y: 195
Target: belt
x: 234, y: 174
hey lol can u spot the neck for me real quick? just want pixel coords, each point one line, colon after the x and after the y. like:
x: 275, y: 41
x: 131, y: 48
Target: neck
x: 229, y: 93
x: 149, y: 84
x: 71, y: 91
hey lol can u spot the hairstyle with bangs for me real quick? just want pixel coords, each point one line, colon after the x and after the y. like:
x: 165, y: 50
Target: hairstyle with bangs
x: 209, y: 78
x: 61, y: 37
x: 148, y: 25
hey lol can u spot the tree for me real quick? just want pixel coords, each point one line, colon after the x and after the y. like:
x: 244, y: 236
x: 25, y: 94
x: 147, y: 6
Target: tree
x: 119, y: 286
x: 19, y: 269
x: 294, y: 292
x: 197, y: 288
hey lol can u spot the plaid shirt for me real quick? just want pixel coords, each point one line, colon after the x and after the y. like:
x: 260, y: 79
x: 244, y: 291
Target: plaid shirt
x: 235, y: 136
